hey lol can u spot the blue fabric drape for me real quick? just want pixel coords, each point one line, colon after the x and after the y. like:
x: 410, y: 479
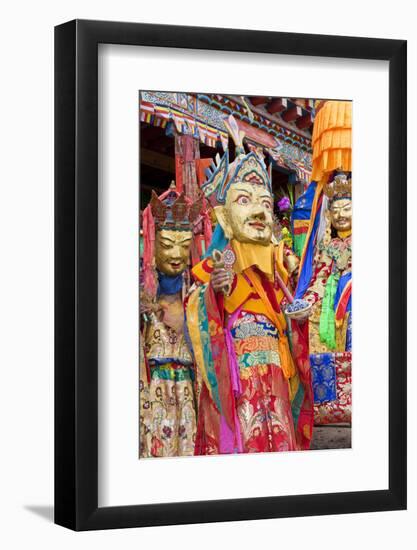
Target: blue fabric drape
x: 168, y: 284
x: 218, y: 241
x: 307, y: 268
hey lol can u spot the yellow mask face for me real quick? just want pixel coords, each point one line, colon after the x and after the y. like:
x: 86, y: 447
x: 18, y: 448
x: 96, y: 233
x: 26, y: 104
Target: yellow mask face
x: 248, y: 214
x: 172, y: 251
x: 341, y: 214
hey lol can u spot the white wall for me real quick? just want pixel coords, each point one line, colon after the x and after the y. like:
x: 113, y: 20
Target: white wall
x: 26, y: 300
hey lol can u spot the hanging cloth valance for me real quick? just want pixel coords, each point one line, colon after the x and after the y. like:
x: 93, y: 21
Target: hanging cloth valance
x: 160, y: 115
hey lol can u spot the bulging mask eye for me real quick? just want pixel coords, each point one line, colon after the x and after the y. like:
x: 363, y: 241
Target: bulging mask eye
x: 243, y: 199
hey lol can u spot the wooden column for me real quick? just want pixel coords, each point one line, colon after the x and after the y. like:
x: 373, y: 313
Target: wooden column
x: 187, y: 150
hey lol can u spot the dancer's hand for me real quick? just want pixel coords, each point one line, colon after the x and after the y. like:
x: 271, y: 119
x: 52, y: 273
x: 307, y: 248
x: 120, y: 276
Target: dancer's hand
x: 220, y: 279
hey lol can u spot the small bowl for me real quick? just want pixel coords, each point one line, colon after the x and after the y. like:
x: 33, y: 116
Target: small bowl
x: 299, y: 313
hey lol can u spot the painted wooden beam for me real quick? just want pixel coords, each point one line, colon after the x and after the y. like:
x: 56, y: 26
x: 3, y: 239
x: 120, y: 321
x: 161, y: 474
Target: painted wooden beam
x: 257, y: 134
x: 277, y: 105
x: 304, y: 121
x: 291, y: 114
x: 258, y: 100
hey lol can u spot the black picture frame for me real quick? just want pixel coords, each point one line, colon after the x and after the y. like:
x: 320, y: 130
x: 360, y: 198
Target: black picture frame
x: 76, y: 272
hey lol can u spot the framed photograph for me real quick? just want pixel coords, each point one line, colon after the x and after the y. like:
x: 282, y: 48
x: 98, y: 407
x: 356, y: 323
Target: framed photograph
x: 208, y: 363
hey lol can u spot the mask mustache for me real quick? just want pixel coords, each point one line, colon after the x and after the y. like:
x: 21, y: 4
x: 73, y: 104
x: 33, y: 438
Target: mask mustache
x: 255, y: 220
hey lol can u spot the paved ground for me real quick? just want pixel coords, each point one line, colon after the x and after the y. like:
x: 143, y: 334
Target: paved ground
x: 331, y: 437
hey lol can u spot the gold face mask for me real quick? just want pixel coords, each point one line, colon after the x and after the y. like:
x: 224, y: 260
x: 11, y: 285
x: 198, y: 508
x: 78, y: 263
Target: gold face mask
x: 172, y: 250
x: 248, y: 214
x: 341, y: 214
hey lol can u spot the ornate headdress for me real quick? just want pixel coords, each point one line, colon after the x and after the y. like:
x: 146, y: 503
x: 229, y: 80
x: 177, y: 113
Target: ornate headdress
x: 340, y: 187
x: 171, y: 210
x: 248, y: 168
x: 175, y: 211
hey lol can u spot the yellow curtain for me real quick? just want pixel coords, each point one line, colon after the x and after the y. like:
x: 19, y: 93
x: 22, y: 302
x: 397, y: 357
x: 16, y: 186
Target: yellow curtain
x: 332, y: 139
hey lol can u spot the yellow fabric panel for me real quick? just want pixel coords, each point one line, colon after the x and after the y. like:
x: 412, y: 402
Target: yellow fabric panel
x: 333, y: 114
x: 293, y: 384
x: 332, y: 139
x: 283, y: 273
x: 301, y: 223
x: 256, y: 305
x: 287, y: 364
x: 330, y: 160
x: 279, y: 258
x: 200, y: 273
x: 245, y: 255
x: 239, y: 295
x: 195, y: 335
x: 276, y: 317
x: 249, y: 254
x: 341, y: 331
x: 344, y: 234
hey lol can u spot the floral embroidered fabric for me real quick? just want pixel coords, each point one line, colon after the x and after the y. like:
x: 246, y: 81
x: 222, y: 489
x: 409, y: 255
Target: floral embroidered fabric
x: 167, y: 403
x: 169, y: 420
x: 264, y: 407
x: 333, y: 370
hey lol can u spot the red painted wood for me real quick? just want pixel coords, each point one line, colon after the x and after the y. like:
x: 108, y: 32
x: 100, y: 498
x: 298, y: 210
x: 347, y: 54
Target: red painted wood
x: 305, y: 121
x: 277, y: 105
x: 256, y: 134
x: 291, y: 114
x: 258, y: 100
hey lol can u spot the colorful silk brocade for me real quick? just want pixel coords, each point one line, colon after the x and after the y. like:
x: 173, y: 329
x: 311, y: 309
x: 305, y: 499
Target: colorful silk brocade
x: 330, y: 294
x: 169, y: 429
x: 144, y: 408
x: 263, y: 406
x: 247, y: 403
x: 217, y: 430
x: 330, y: 326
x: 332, y: 384
x: 167, y: 404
